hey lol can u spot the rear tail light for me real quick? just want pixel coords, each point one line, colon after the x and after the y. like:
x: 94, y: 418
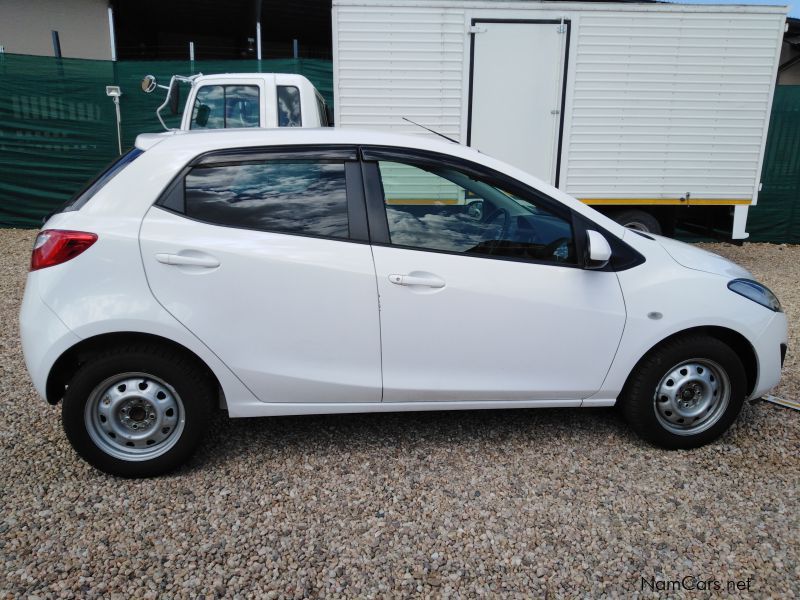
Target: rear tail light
x: 56, y: 246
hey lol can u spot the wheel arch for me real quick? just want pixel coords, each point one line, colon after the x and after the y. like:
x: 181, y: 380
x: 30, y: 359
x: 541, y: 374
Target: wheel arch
x: 71, y: 359
x: 733, y: 339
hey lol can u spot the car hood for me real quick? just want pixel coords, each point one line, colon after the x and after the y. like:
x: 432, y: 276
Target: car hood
x: 695, y: 258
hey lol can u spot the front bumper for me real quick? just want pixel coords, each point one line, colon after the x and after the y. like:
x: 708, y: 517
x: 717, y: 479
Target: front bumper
x: 770, y: 348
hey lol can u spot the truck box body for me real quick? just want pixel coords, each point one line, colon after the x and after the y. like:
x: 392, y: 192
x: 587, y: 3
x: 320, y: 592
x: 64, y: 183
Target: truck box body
x: 618, y: 104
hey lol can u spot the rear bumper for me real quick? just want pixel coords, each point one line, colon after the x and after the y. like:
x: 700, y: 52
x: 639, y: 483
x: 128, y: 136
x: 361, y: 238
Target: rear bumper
x: 770, y: 350
x: 44, y: 336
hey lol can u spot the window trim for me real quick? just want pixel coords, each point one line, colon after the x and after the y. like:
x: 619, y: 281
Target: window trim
x: 358, y: 231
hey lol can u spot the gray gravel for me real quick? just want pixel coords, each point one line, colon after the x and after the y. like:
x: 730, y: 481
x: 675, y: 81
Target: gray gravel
x: 520, y: 503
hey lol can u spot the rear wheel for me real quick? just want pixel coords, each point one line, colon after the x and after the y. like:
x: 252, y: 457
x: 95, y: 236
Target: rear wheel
x: 685, y: 393
x: 639, y: 220
x: 138, y: 411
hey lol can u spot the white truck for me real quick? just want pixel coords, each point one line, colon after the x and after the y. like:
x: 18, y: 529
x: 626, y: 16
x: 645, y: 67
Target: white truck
x: 647, y: 111
x: 244, y: 100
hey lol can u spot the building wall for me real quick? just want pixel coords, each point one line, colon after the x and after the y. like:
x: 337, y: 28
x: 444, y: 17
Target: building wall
x: 82, y: 26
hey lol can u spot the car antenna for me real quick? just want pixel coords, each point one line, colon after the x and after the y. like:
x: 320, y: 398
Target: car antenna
x: 449, y: 139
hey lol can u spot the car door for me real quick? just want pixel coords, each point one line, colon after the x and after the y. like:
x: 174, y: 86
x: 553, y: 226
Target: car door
x: 482, y: 296
x: 263, y: 255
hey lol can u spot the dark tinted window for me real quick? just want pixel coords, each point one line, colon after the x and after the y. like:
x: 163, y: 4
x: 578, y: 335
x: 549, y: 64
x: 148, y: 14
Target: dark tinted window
x: 444, y: 209
x: 83, y: 196
x: 303, y: 197
x: 289, y: 112
x: 221, y: 106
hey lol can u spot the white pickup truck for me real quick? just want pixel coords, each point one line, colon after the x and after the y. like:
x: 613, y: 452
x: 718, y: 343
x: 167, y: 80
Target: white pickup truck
x: 244, y: 100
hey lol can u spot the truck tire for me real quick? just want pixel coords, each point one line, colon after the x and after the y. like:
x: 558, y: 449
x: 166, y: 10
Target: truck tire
x: 639, y: 220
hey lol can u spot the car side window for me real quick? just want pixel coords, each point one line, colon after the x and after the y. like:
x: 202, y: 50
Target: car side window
x: 289, y: 111
x: 443, y: 209
x: 306, y: 197
x: 226, y: 106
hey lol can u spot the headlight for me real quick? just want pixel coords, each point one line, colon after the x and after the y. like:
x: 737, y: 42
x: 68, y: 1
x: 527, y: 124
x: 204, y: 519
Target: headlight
x: 755, y: 292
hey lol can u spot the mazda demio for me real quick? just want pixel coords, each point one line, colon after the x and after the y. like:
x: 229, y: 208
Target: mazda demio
x: 288, y: 272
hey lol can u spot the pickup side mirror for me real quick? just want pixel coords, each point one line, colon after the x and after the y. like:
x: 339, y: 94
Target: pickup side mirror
x: 174, y: 96
x: 598, y: 251
x: 149, y: 84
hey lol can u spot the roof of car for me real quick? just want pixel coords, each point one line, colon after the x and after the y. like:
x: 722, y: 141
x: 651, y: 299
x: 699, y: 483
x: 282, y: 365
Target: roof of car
x: 219, y: 139
x: 239, y: 76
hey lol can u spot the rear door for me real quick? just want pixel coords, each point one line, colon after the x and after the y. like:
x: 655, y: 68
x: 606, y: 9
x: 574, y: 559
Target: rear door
x: 516, y: 93
x: 263, y: 256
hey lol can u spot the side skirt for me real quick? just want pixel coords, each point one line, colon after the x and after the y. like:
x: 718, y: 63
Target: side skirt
x: 263, y: 409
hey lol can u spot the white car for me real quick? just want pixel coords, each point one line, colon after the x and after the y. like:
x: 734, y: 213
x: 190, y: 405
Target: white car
x: 282, y: 272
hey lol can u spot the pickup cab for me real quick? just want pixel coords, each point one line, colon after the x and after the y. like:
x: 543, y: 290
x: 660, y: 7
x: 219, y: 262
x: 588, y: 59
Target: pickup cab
x: 230, y: 100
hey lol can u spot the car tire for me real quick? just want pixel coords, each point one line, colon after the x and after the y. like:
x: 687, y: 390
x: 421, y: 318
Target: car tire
x: 639, y: 220
x: 138, y: 411
x: 685, y: 393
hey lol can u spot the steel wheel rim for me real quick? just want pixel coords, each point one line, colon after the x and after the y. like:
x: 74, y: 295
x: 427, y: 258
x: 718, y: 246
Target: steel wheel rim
x: 134, y: 416
x: 692, y: 396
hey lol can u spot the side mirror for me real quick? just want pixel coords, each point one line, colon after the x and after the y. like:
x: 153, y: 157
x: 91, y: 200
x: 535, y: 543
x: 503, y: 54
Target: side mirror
x: 203, y: 113
x: 149, y: 84
x: 598, y: 252
x: 174, y: 95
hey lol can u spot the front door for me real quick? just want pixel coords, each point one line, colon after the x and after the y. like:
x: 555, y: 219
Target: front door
x: 263, y: 258
x: 481, y: 295
x: 516, y: 89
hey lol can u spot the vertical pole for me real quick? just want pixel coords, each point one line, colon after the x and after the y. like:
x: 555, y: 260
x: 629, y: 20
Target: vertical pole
x: 56, y: 44
x: 295, y: 48
x: 111, y: 34
x: 258, y: 40
x: 191, y: 51
x: 119, y: 128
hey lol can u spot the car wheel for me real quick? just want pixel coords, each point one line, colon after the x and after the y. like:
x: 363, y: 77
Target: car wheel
x: 638, y: 220
x: 685, y: 393
x: 138, y: 411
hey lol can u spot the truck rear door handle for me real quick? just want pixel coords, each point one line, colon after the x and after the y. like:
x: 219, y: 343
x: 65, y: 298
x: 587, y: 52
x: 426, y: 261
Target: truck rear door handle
x: 208, y: 262
x: 427, y: 280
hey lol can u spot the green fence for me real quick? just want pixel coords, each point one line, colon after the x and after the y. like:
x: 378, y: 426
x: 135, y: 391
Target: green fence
x: 776, y: 217
x: 58, y: 127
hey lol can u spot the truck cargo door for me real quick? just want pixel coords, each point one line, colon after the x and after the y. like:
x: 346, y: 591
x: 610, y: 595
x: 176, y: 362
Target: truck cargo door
x: 516, y: 93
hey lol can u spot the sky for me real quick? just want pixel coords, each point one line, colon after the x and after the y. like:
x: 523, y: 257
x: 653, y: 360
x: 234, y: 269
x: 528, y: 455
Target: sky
x: 794, y: 5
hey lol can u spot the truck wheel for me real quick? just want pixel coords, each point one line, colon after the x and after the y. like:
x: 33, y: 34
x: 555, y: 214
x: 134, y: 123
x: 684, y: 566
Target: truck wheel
x: 137, y: 411
x: 685, y: 393
x: 639, y: 220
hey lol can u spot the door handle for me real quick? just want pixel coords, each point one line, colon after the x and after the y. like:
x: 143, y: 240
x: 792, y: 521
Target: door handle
x: 430, y: 281
x: 208, y: 262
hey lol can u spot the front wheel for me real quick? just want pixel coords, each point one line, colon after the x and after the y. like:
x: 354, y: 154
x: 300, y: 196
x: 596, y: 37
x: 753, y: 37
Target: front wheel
x: 137, y: 412
x: 685, y: 393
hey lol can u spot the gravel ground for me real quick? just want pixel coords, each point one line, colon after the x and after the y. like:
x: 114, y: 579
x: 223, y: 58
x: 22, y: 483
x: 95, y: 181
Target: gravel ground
x: 558, y: 503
